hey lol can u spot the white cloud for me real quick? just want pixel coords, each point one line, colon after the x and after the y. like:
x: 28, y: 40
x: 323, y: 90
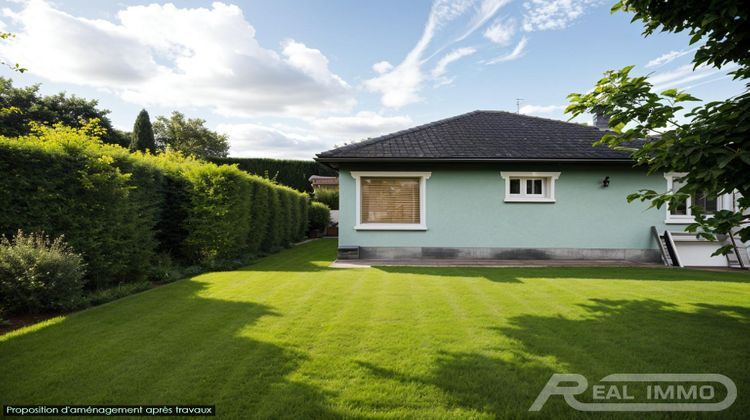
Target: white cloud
x: 442, y: 65
x: 679, y: 77
x: 171, y: 56
x: 400, y: 85
x: 501, y: 31
x: 382, y: 67
x: 284, y: 141
x: 668, y: 58
x: 671, y: 75
x: 517, y: 53
x: 486, y: 11
x: 540, y: 109
x: 256, y: 140
x: 705, y: 82
x: 363, y: 124
x: 542, y: 15
x: 310, y: 62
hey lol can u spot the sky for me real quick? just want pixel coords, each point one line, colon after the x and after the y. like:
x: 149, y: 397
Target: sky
x: 289, y: 79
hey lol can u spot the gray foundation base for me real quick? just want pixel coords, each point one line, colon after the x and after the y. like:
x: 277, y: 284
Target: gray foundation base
x: 411, y: 253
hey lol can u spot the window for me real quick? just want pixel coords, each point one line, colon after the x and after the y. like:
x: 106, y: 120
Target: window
x: 682, y: 212
x: 534, y: 187
x: 515, y: 186
x: 390, y: 200
x: 527, y: 187
x: 530, y: 186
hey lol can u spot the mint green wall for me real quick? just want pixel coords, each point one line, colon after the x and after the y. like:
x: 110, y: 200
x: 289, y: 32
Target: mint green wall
x: 465, y: 208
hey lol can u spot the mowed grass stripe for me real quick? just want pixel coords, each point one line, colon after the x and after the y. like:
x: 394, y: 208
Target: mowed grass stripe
x: 289, y: 337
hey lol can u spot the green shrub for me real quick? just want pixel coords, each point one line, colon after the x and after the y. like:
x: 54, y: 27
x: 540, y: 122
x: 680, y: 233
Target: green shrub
x: 319, y: 216
x: 104, y: 200
x: 38, y: 274
x: 292, y: 173
x: 300, y: 207
x: 273, y: 239
x: 286, y: 211
x: 218, y: 217
x: 328, y: 197
x: 123, y: 211
x: 165, y: 270
x: 304, y: 222
x: 171, y: 229
x: 260, y: 216
x: 111, y: 293
x: 294, y: 217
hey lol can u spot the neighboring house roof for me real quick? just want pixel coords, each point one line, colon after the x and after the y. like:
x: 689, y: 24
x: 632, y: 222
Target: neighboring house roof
x: 323, y: 180
x: 482, y: 136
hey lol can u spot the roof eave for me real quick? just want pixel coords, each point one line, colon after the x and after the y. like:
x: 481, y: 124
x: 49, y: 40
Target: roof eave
x: 467, y: 160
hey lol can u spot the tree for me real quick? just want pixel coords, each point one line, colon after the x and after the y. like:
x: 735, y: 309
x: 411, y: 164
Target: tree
x: 189, y: 136
x: 142, y: 138
x: 711, y: 142
x: 123, y: 138
x: 20, y: 106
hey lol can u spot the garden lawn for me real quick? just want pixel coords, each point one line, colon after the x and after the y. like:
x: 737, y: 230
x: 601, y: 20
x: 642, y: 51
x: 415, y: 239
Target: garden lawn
x: 290, y: 337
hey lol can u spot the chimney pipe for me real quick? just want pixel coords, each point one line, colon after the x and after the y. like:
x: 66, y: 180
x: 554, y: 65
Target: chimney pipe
x: 601, y: 121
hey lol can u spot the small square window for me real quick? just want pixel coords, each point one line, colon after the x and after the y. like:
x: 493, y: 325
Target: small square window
x: 709, y: 206
x: 682, y: 212
x: 531, y: 186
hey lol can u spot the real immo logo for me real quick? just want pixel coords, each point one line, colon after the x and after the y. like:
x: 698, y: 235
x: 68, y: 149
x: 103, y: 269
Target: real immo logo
x: 642, y: 392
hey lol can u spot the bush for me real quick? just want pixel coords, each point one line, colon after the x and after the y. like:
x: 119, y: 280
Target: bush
x: 274, y: 229
x: 319, y: 216
x: 328, y: 197
x: 38, y: 274
x: 218, y: 215
x: 122, y: 212
x: 165, y: 270
x: 99, y: 297
x: 303, y: 222
x: 305, y: 216
x: 260, y: 216
x: 104, y: 200
x: 286, y: 214
x: 292, y: 173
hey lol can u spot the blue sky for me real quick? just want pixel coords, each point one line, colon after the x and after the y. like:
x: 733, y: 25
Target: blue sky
x: 289, y: 79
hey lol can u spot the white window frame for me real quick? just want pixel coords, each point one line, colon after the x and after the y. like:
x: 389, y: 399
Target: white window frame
x: 423, y: 177
x: 525, y: 188
x: 723, y: 202
x: 548, y: 187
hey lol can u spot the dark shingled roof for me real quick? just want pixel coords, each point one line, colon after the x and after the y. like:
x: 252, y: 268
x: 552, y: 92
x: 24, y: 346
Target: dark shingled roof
x: 482, y: 136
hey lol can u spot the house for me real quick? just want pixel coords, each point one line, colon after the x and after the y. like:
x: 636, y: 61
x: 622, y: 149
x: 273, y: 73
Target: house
x: 499, y: 185
x: 324, y: 183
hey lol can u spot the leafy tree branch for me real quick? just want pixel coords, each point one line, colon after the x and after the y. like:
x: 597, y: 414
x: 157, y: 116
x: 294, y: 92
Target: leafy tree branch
x: 708, y: 142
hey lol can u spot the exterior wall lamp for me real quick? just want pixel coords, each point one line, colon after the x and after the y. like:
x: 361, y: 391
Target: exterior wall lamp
x: 605, y: 182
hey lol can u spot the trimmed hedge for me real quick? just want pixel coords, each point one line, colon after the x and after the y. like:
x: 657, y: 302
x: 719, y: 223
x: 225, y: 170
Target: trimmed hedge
x: 120, y: 210
x: 292, y: 173
x: 328, y: 197
x: 320, y: 216
x: 106, y: 203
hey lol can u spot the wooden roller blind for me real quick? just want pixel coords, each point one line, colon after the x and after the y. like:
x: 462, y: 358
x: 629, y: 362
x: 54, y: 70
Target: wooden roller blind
x: 389, y: 200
